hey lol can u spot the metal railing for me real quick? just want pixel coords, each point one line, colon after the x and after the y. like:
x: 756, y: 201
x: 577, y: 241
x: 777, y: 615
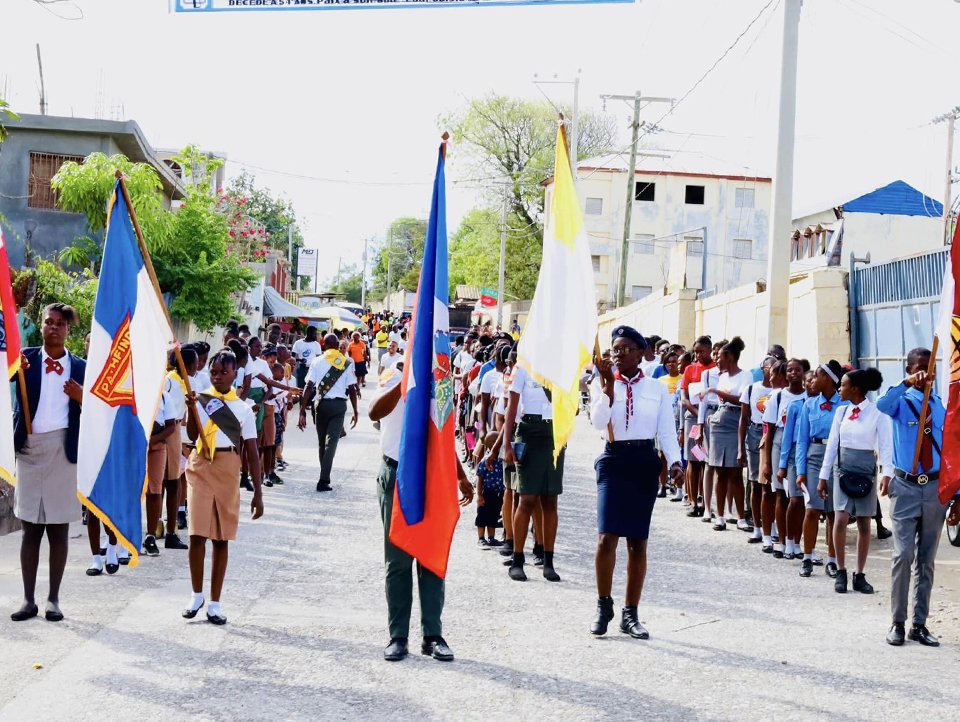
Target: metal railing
x: 905, y: 279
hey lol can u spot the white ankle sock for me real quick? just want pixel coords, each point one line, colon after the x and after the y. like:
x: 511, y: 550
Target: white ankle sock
x: 808, y: 557
x: 196, y: 600
x: 831, y: 560
x: 778, y: 547
x: 214, y: 609
x: 97, y: 561
x: 758, y: 533
x: 112, y: 554
x: 767, y: 541
x: 774, y: 531
x: 181, y: 508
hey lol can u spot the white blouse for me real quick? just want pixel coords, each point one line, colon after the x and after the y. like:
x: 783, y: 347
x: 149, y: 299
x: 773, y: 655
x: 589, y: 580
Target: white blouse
x: 652, y: 414
x: 871, y: 431
x: 533, y: 399
x: 729, y: 385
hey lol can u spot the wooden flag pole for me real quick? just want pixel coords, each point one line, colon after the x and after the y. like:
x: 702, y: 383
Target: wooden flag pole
x: 931, y: 369
x: 181, y: 367
x: 24, y: 399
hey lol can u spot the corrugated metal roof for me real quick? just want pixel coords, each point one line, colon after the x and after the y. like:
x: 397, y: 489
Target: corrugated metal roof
x: 466, y: 293
x: 896, y: 199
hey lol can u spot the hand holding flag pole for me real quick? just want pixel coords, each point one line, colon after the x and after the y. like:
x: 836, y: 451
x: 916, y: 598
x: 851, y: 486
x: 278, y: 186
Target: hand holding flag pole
x: 181, y: 367
x: 24, y: 400
x: 925, y: 407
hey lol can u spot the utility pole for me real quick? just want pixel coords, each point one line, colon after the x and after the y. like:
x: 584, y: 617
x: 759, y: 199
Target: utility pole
x: 635, y: 126
x: 43, y: 92
x: 950, y: 118
x: 503, y: 257
x: 778, y: 248
x: 573, y: 136
x: 363, y: 277
x: 293, y: 272
x: 389, y: 265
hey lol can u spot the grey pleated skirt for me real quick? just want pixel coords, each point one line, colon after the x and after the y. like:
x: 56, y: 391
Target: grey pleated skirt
x: 46, y: 482
x: 815, y: 454
x: 724, y: 446
x: 856, y: 461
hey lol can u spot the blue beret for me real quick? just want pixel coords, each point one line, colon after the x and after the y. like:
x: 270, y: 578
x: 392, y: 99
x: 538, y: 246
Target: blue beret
x: 630, y: 333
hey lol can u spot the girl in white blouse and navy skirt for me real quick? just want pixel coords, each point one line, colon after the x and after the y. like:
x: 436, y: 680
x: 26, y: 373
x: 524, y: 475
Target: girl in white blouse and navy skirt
x: 860, y: 433
x: 632, y: 411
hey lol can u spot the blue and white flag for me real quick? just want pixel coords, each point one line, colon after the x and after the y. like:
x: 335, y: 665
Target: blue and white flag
x: 130, y: 337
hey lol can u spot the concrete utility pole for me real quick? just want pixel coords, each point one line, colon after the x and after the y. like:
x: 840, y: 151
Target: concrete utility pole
x: 43, y: 91
x: 950, y: 118
x: 778, y: 247
x: 363, y: 277
x: 631, y: 183
x: 389, y: 265
x: 293, y: 272
x: 501, y: 278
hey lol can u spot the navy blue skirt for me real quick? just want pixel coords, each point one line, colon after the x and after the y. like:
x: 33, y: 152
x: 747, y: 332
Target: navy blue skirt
x: 628, y: 478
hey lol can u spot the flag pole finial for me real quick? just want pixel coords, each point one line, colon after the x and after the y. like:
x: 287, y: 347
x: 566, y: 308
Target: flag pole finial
x: 444, y: 139
x: 118, y: 174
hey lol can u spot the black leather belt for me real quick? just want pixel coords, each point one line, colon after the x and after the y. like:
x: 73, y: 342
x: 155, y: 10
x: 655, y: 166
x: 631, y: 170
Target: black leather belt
x: 530, y: 418
x: 757, y: 426
x: 392, y: 463
x: 635, y: 443
x: 918, y: 479
x: 819, y: 441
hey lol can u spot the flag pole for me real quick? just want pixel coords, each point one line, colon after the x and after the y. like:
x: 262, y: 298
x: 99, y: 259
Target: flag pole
x: 181, y: 367
x: 24, y: 400
x: 931, y: 368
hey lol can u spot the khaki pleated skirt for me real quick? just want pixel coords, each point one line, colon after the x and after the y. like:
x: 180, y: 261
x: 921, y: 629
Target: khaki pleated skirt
x: 213, y: 495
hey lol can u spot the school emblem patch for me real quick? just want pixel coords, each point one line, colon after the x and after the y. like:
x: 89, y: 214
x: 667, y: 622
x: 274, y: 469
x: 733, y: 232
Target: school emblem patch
x: 114, y: 385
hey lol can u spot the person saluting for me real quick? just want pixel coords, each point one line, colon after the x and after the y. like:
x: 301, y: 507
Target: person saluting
x: 632, y: 411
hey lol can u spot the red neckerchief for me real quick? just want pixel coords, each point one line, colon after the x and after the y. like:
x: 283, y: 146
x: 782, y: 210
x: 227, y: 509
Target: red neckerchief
x: 629, y: 384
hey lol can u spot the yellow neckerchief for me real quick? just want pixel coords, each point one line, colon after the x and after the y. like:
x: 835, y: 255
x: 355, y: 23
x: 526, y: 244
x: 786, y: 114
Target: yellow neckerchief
x: 335, y: 358
x: 175, y: 376
x: 207, y: 443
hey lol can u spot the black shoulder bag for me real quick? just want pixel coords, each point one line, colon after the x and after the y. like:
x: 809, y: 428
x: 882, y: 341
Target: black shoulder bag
x: 856, y: 486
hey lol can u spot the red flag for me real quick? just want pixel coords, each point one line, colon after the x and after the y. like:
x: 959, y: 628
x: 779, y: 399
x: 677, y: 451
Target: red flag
x: 949, y: 332
x: 10, y: 342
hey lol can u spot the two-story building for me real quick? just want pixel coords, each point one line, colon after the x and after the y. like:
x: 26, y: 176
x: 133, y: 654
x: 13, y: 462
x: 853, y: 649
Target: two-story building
x: 32, y: 154
x: 685, y: 211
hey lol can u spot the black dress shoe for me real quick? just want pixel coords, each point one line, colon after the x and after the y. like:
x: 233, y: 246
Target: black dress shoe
x: 94, y: 571
x: 550, y: 574
x: 53, y: 614
x: 883, y: 532
x: 919, y: 633
x: 124, y: 561
x: 516, y: 573
x: 806, y: 568
x: 777, y: 554
x: 507, y: 550
x: 217, y: 619
x: 831, y: 570
x: 767, y: 549
x: 860, y: 584
x: 172, y: 541
x: 191, y: 613
x: 324, y: 486
x: 662, y: 494
x: 604, y: 615
x: 396, y: 650
x: 630, y: 624
x: 895, y: 636
x: 245, y: 482
x: 111, y: 568
x: 437, y: 648
x: 25, y: 613
x: 840, y: 583
x: 754, y: 540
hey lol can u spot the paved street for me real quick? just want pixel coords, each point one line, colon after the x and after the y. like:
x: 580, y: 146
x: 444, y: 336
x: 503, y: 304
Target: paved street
x: 735, y: 634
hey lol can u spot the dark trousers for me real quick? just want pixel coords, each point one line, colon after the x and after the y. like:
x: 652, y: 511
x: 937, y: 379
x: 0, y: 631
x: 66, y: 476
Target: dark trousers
x: 329, y: 420
x: 399, y: 573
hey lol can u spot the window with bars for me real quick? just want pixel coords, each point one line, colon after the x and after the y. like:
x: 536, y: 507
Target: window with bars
x: 594, y: 207
x: 596, y: 263
x: 638, y: 292
x: 43, y: 166
x: 744, y: 198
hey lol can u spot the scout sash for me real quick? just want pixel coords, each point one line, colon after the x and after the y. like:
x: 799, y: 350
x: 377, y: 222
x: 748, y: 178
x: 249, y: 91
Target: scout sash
x: 219, y: 418
x: 338, y: 364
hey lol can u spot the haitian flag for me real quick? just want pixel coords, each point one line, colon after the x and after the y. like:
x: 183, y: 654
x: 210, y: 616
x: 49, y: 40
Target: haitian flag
x: 425, y: 505
x: 10, y: 354
x: 126, y: 367
x: 948, y: 330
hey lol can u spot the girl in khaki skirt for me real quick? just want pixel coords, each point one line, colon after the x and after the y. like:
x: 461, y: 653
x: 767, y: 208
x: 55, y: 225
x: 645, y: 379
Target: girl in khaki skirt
x: 221, y: 426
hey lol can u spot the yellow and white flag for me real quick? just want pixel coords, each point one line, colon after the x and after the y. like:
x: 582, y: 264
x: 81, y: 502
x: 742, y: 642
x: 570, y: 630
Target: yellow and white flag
x: 558, y: 340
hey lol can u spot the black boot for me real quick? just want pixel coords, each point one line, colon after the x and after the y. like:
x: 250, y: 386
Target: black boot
x: 548, y: 572
x: 860, y: 584
x: 516, y: 569
x: 604, y: 615
x: 630, y: 624
x: 840, y: 583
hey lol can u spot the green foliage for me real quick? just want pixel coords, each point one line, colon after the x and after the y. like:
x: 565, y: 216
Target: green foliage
x: 5, y: 114
x: 351, y: 284
x: 87, y: 188
x: 85, y: 252
x: 404, y: 248
x: 259, y: 205
x: 54, y: 285
x: 475, y: 254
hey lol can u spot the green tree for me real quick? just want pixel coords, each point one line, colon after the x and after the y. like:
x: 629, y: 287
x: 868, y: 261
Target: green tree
x: 513, y: 140
x: 475, y: 254
x: 275, y: 215
x: 52, y: 284
x: 5, y: 114
x: 188, y: 246
x: 404, y: 249
x: 350, y: 284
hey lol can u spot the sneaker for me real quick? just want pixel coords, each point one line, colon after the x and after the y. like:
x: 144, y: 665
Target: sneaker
x: 281, y: 464
x: 662, y: 494
x: 494, y: 543
x: 679, y: 496
x: 806, y: 568
x: 272, y: 476
x: 482, y: 543
x: 245, y: 482
x: 150, y: 547
x: 172, y: 541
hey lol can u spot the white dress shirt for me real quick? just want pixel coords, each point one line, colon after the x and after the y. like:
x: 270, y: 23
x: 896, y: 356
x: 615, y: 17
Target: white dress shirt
x: 318, y: 369
x: 652, y: 414
x: 174, y: 399
x: 240, y: 409
x: 391, y: 425
x: 871, y: 431
x: 533, y: 399
x: 254, y: 368
x: 726, y: 383
x: 53, y: 407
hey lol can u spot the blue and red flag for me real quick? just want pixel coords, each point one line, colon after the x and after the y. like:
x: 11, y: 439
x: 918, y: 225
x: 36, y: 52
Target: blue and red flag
x: 425, y: 508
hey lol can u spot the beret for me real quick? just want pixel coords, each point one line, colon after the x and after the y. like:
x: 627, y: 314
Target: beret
x: 630, y: 333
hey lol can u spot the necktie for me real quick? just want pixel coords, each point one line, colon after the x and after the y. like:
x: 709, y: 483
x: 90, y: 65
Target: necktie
x: 855, y: 414
x: 629, y: 384
x: 53, y: 365
x: 926, y: 445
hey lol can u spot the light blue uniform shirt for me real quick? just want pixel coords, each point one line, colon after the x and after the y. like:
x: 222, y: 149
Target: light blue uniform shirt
x: 790, y: 433
x: 814, y: 423
x: 905, y: 422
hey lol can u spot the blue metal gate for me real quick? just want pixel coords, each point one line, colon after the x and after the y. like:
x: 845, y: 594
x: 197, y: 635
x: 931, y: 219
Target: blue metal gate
x: 894, y: 308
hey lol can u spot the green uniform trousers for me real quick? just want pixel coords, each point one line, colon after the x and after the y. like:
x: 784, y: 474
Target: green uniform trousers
x: 399, y: 572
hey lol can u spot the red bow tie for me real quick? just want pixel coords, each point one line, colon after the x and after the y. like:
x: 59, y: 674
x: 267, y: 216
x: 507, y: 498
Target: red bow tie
x: 53, y: 365
x: 826, y: 406
x: 855, y: 414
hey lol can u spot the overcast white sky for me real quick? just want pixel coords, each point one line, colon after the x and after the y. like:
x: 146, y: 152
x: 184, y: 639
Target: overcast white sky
x: 354, y: 97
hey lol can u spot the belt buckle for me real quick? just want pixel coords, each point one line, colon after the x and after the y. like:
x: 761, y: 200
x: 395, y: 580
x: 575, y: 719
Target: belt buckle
x: 923, y: 479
